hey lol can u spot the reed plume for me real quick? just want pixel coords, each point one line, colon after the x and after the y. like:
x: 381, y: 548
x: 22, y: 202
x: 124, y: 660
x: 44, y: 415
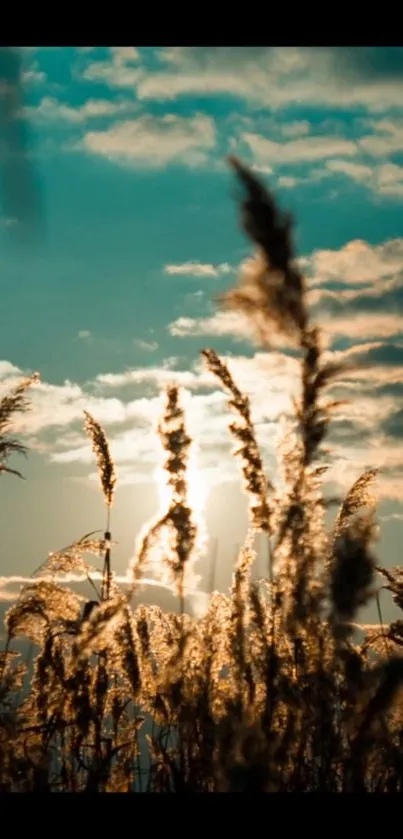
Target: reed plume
x: 271, y: 290
x: 14, y: 402
x: 106, y: 466
x: 358, y: 496
x: 107, y: 473
x: 177, y: 522
x: 257, y: 483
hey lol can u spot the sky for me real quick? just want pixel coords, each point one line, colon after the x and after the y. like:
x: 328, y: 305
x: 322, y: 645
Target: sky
x: 138, y: 232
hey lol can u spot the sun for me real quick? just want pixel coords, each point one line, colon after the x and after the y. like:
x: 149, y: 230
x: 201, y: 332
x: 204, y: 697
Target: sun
x: 197, y: 493
x: 196, y: 498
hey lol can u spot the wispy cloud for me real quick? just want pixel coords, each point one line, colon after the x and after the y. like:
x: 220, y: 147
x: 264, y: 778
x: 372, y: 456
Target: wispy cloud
x: 392, y: 517
x: 372, y: 325
x: 148, y: 590
x: 287, y: 182
x: 55, y: 111
x: 125, y: 55
x: 155, y: 140
x: 33, y: 75
x: 219, y: 324
x: 198, y: 269
x: 384, y: 179
x: 118, y: 71
x: 297, y: 150
x: 300, y: 128
x: 8, y: 370
x: 325, y: 77
x: 355, y: 291
x: 357, y: 263
x: 386, y: 138
x: 147, y: 346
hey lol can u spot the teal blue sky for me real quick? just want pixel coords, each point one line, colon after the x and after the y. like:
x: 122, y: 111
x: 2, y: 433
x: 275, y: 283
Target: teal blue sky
x: 138, y: 232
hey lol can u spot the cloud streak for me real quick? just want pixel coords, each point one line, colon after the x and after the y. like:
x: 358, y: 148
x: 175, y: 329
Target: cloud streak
x: 154, y: 140
x: 56, y: 112
x: 261, y: 75
x: 148, y: 589
x: 198, y: 269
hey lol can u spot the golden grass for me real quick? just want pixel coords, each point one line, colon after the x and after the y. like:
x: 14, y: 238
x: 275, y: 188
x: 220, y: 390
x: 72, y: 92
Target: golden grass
x: 270, y: 690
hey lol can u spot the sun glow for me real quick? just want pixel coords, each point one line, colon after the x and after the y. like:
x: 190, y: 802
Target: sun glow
x: 186, y: 489
x: 197, y: 492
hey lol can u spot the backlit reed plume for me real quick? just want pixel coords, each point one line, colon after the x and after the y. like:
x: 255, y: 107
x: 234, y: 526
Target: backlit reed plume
x: 40, y: 604
x: 352, y: 569
x: 13, y: 402
x: 358, y: 496
x: 351, y: 563
x: 107, y: 473
x: 176, y: 551
x: 106, y: 466
x: 257, y: 484
x: 271, y: 290
x: 240, y: 601
x: 272, y: 295
x: 70, y: 559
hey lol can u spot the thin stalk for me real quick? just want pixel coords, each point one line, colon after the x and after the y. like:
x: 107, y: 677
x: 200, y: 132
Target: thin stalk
x: 213, y: 566
x: 106, y: 581
x: 378, y: 605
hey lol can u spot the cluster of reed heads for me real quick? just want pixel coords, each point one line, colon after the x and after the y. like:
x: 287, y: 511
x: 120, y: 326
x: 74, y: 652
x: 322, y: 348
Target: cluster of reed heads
x: 271, y: 689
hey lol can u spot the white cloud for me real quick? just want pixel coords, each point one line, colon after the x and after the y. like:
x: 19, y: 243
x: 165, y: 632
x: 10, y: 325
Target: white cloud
x: 115, y: 74
x: 276, y: 77
x: 219, y: 324
x: 389, y: 179
x: 155, y: 141
x: 392, y: 517
x: 296, y: 129
x: 148, y: 346
x: 287, y: 182
x: 84, y: 334
x: 356, y: 171
x: 383, y: 179
x: 264, y: 170
x: 368, y: 306
x: 394, y: 190
x: 118, y: 71
x: 125, y: 55
x: 279, y: 77
x: 7, y: 370
x: 158, y: 376
x: 368, y: 272
x: 53, y: 110
x: 387, y: 138
x: 357, y: 263
x: 33, y: 75
x: 198, y: 269
x: 365, y: 327
x: 299, y: 150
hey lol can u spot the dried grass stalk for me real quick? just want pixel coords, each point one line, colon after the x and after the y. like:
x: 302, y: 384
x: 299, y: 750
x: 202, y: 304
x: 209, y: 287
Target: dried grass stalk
x: 102, y: 453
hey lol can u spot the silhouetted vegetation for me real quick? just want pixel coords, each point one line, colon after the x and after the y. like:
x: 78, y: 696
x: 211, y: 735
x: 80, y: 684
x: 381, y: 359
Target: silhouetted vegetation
x: 270, y: 690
